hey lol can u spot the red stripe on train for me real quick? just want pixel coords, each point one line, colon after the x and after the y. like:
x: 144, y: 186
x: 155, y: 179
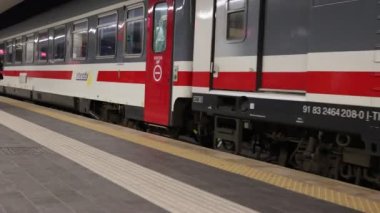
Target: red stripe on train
x: 201, y: 79
x: 344, y: 83
x: 284, y: 80
x: 240, y: 81
x: 185, y: 78
x: 134, y: 77
x: 10, y: 73
x: 246, y: 81
x: 339, y: 83
x: 324, y: 82
x: 138, y: 77
x: 49, y: 74
x: 225, y: 80
x: 321, y: 82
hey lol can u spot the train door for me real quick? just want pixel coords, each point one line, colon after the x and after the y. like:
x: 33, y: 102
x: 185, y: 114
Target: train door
x: 236, y: 38
x: 158, y: 84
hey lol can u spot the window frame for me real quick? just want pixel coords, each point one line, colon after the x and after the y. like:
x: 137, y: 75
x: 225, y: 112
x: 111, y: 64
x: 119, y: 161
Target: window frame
x: 72, y: 39
x: 128, y: 8
x: 65, y: 43
x: 6, y: 43
x: 98, y: 56
x: 39, y: 61
x: 34, y: 47
x: 22, y: 49
x: 228, y: 11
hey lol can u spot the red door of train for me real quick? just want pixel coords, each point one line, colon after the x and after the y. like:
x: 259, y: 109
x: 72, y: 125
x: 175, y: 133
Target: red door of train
x: 159, y: 63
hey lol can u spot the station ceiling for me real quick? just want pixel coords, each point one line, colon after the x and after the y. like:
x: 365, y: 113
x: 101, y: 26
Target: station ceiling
x: 15, y: 11
x: 7, y: 4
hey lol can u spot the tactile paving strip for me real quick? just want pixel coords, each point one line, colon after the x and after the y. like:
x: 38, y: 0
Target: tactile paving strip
x: 166, y: 192
x: 197, y: 154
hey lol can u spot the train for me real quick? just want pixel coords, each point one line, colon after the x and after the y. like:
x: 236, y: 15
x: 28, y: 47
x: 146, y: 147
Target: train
x: 296, y: 83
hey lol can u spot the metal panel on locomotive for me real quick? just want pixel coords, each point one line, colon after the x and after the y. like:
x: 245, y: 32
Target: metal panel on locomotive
x: 289, y: 82
x: 294, y: 83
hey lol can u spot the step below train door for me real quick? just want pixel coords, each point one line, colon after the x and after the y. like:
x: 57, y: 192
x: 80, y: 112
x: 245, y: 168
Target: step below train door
x: 236, y: 37
x: 159, y: 66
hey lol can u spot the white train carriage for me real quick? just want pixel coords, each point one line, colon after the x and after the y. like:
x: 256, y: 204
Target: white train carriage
x: 102, y: 56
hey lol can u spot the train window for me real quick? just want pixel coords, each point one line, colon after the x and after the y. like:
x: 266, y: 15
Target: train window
x: 160, y: 21
x: 42, y: 46
x: 9, y: 52
x: 236, y: 15
x: 134, y: 31
x: 236, y: 4
x: 29, y: 50
x: 18, y: 51
x: 80, y: 40
x: 59, y: 43
x: 107, y: 27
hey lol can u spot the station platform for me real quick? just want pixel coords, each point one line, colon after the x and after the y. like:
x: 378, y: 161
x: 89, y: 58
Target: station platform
x: 54, y: 161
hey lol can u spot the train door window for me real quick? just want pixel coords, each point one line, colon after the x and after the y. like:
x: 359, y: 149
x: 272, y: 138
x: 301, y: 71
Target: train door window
x: 236, y: 20
x: 18, y: 51
x: 29, y: 49
x: 134, y: 31
x: 160, y: 22
x: 107, y: 28
x: 59, y: 44
x: 42, y: 46
x: 80, y: 40
x: 9, y: 52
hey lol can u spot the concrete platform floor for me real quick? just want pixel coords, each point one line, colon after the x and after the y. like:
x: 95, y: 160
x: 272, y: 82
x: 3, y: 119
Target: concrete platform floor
x: 52, y: 161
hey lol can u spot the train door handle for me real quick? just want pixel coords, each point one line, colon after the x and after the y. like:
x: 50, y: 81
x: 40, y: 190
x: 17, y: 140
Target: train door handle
x: 215, y: 70
x: 175, y: 73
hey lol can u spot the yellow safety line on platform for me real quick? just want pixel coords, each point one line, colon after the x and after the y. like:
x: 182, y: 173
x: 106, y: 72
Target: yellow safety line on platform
x: 312, y: 190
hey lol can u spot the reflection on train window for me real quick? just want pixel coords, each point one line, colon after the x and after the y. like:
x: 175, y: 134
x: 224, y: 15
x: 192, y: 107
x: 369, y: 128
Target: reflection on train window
x: 80, y: 40
x: 107, y: 27
x: 134, y: 31
x: 29, y: 49
x: 236, y: 15
x: 42, y: 46
x: 236, y: 4
x: 18, y: 51
x: 9, y: 52
x: 59, y: 44
x: 2, y: 51
x: 160, y: 22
